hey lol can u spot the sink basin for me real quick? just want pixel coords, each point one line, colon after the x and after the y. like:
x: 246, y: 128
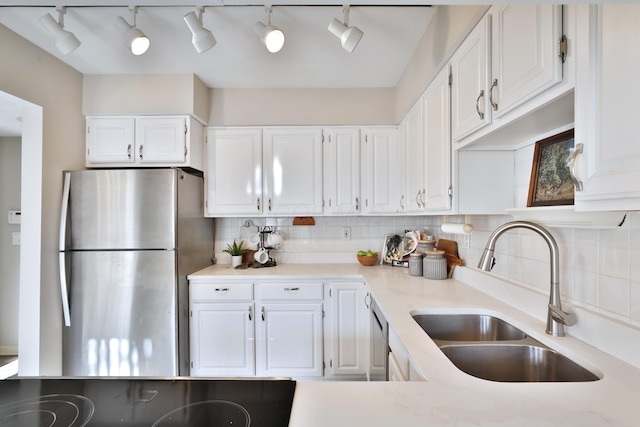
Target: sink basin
x: 467, y: 327
x: 516, y: 363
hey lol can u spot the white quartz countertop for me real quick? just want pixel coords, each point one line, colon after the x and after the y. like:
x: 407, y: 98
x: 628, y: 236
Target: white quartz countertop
x: 449, y: 396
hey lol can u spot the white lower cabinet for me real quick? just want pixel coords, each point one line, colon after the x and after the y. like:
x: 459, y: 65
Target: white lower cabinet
x: 289, y: 340
x: 222, y: 337
x: 345, y: 338
x: 276, y: 332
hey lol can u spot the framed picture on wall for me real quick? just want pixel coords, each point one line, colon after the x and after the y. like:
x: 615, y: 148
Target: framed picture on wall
x: 551, y: 182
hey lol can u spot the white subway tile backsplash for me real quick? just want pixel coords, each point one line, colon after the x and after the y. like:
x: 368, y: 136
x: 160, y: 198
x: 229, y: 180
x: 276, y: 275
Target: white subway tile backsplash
x: 599, y: 269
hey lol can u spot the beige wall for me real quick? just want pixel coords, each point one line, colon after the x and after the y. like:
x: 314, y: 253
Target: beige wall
x: 36, y: 76
x: 10, y: 259
x: 263, y: 107
x: 447, y: 29
x: 145, y: 94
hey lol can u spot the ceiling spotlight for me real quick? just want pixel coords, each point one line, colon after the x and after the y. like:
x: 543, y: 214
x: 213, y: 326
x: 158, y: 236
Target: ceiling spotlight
x: 65, y: 41
x: 202, y: 38
x: 271, y: 35
x: 349, y: 36
x: 133, y: 37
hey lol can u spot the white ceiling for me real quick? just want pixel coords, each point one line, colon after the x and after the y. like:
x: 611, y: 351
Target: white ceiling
x: 311, y: 57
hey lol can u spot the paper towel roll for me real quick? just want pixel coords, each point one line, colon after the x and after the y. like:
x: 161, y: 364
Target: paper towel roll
x: 457, y: 228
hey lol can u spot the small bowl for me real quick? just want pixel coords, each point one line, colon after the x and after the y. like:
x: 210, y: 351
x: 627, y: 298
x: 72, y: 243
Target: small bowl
x: 367, y: 260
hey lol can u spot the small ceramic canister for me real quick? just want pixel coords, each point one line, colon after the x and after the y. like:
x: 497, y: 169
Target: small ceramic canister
x: 425, y: 245
x: 415, y: 264
x: 434, y: 265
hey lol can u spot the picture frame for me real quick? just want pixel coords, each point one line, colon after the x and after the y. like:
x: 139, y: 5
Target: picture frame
x: 551, y: 183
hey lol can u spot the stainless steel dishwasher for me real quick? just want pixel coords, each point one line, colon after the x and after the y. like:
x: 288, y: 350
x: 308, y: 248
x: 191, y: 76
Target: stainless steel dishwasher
x: 379, y: 369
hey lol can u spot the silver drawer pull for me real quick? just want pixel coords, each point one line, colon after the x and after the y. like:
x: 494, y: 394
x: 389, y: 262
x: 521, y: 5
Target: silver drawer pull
x: 222, y: 289
x: 572, y: 167
x: 291, y: 289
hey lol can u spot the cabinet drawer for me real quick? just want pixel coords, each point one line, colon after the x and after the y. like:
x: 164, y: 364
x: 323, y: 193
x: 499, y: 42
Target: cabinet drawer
x: 221, y: 291
x: 291, y: 291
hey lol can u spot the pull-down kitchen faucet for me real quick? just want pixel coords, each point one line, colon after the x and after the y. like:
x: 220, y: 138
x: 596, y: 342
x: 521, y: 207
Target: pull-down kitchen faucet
x: 556, y: 317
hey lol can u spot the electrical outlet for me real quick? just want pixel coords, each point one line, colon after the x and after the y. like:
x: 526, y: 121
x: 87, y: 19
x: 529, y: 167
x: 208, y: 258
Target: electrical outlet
x: 346, y: 233
x: 15, y: 238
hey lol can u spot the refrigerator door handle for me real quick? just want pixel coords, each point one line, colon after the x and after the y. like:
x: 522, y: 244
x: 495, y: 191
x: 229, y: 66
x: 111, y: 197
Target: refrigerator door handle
x: 63, y: 289
x: 62, y: 255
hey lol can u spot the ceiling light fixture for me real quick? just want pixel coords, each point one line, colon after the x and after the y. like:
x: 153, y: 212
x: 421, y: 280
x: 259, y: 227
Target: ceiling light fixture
x: 133, y: 37
x: 271, y: 35
x: 349, y: 36
x: 202, y: 39
x: 65, y: 41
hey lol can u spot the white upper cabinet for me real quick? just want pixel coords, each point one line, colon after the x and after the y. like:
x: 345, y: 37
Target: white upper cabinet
x: 157, y: 141
x: 607, y: 89
x: 292, y: 178
x: 271, y: 171
x: 469, y: 69
x: 234, y: 171
x: 525, y: 60
x: 382, y: 174
x: 437, y: 144
x: 510, y: 57
x: 413, y: 134
x: 342, y: 170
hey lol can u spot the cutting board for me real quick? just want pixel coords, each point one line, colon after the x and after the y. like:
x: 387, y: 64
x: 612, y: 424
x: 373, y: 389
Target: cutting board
x: 450, y: 248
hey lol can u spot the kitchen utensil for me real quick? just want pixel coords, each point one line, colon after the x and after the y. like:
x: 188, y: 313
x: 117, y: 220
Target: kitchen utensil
x: 450, y: 248
x: 261, y: 256
x: 274, y: 239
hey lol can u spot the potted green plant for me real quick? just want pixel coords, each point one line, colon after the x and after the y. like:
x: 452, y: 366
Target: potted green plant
x: 236, y: 250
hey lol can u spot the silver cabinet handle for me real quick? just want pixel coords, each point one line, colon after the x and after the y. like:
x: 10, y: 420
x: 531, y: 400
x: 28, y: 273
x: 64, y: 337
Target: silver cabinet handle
x: 222, y: 289
x: 292, y: 289
x: 250, y: 312
x: 140, y: 151
x: 269, y: 204
x: 418, y: 198
x: 402, y: 202
x: 572, y: 167
x: 258, y: 204
x: 129, y: 151
x: 480, y: 113
x: 262, y: 311
x: 494, y: 84
x: 357, y: 204
x: 367, y: 300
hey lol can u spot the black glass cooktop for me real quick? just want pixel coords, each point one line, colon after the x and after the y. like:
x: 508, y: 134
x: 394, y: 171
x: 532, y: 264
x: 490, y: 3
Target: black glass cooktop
x: 75, y: 402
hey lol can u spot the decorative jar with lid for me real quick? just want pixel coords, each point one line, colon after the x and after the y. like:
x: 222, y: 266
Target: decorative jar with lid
x: 434, y: 264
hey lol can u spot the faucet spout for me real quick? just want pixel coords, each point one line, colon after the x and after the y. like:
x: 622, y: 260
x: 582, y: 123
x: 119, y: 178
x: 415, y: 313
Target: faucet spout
x: 556, y: 318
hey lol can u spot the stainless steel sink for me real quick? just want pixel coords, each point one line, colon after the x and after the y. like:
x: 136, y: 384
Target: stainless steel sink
x: 516, y: 363
x: 467, y: 327
x: 492, y: 349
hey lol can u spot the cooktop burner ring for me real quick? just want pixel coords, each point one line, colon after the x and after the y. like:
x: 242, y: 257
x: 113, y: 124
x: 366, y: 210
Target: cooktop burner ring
x: 55, y: 410
x: 197, y: 413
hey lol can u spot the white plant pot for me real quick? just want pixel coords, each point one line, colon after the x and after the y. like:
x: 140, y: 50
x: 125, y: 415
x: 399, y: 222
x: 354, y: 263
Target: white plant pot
x: 236, y: 260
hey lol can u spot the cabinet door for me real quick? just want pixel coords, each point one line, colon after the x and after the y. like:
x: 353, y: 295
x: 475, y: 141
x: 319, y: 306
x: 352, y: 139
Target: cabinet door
x: 110, y: 140
x: 470, y: 108
x: 222, y: 339
x: 342, y: 170
x: 346, y: 338
x: 292, y: 161
x: 234, y: 171
x: 607, y: 89
x: 161, y: 140
x: 437, y: 144
x: 289, y: 340
x: 525, y: 61
x: 414, y: 158
x: 382, y: 174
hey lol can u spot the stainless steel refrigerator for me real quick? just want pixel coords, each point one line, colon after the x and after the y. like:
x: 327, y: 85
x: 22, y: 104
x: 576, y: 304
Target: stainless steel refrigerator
x: 128, y: 239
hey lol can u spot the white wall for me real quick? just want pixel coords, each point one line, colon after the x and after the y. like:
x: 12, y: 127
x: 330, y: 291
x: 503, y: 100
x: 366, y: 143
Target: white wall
x: 31, y: 74
x: 9, y: 254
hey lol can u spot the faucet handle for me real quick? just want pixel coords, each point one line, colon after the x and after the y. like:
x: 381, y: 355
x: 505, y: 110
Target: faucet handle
x: 562, y: 316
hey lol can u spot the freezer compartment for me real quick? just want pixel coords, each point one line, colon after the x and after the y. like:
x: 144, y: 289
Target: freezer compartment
x: 124, y: 316
x: 122, y: 209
